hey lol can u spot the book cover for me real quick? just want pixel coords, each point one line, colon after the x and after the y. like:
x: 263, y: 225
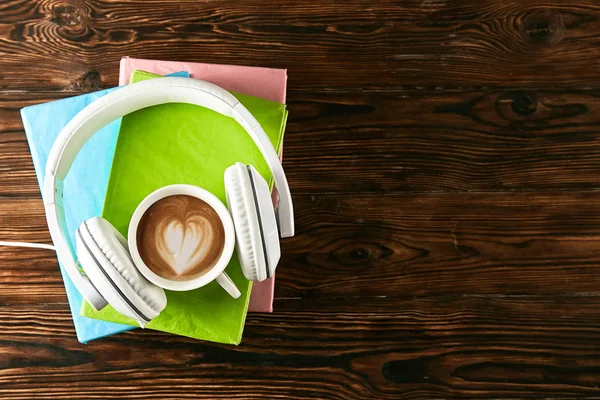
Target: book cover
x: 266, y: 83
x: 183, y: 143
x: 84, y: 187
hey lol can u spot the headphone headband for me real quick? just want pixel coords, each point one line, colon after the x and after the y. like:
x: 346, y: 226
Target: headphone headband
x: 127, y: 100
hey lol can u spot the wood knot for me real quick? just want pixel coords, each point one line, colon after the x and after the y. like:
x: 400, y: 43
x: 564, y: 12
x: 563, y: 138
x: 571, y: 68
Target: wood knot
x: 408, y: 371
x: 517, y: 105
x: 90, y: 81
x: 66, y: 16
x: 525, y: 109
x: 360, y: 253
x: 542, y: 28
x: 523, y: 103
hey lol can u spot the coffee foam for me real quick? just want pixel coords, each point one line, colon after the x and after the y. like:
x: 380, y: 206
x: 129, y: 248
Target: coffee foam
x: 180, y: 237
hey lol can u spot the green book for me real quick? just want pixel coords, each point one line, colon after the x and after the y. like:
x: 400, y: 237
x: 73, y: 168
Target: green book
x: 183, y: 143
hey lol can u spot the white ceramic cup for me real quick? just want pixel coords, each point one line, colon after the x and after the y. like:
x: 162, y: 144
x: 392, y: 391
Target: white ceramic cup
x: 217, y: 271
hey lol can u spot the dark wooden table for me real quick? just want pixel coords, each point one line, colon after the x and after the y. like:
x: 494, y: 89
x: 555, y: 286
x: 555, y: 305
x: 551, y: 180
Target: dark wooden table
x: 444, y: 157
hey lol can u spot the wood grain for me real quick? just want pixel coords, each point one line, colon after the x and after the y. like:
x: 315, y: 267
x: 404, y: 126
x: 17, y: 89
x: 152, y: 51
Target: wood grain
x: 444, y: 161
x: 388, y: 44
x: 485, y: 140
x: 462, y: 347
x: 392, y: 245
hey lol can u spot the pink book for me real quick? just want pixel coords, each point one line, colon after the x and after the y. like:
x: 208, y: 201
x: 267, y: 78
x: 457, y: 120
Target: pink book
x: 266, y: 83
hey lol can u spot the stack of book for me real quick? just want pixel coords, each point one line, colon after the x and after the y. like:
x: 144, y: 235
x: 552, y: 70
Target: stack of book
x: 154, y: 147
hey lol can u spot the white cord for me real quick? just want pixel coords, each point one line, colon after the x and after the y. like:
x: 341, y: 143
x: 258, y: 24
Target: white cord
x: 25, y: 244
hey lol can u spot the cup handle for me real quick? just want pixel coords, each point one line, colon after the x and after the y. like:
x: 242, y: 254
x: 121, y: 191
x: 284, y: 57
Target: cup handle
x: 226, y: 283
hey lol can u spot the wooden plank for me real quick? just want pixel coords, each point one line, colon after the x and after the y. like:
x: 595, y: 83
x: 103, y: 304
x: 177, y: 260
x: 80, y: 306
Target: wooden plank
x: 437, y: 244
x: 465, y: 347
x: 17, y: 175
x: 385, y: 245
x: 431, y: 141
x: 327, y: 44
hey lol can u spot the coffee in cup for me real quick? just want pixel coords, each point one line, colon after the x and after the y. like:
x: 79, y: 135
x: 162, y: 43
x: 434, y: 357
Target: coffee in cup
x: 180, y: 237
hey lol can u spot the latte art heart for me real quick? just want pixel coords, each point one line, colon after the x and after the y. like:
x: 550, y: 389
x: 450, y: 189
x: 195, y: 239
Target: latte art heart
x: 184, y: 246
x: 180, y: 237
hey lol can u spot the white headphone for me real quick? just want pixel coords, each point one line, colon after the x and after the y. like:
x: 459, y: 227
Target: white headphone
x: 109, y: 274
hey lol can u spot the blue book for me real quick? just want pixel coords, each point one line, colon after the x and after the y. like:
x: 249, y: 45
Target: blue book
x: 84, y: 187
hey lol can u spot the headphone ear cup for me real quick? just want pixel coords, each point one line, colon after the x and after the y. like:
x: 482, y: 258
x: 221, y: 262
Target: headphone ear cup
x: 243, y: 212
x: 104, y: 256
x: 249, y: 202
x: 269, y: 228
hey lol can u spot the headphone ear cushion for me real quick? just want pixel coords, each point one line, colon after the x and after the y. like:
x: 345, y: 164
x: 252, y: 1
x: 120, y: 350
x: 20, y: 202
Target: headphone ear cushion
x: 240, y: 202
x: 104, y: 255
